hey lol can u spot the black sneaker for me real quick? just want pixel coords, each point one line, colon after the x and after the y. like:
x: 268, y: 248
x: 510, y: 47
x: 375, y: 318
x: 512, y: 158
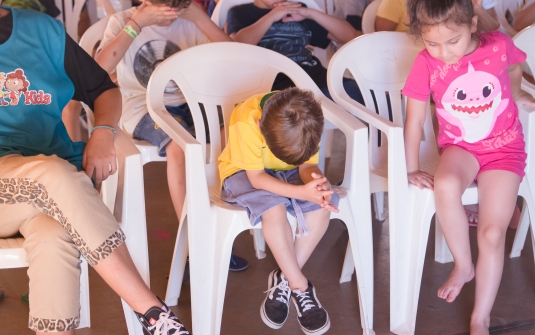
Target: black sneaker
x: 275, y: 308
x: 237, y: 263
x: 311, y: 316
x: 161, y: 321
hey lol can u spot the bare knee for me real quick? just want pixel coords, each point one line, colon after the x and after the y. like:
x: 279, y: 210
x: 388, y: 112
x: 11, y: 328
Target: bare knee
x: 274, y: 215
x: 491, y: 236
x: 447, y: 185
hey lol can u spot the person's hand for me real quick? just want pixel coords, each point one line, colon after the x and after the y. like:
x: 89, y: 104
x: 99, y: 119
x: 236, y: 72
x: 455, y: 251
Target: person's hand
x: 99, y: 159
x: 523, y: 98
x: 282, y: 10
x: 477, y: 3
x: 148, y: 14
x: 325, y: 186
x: 421, y: 179
x: 299, y: 15
x: 193, y: 12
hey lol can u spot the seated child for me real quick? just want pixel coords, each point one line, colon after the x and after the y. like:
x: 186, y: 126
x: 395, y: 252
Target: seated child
x: 288, y: 28
x: 269, y: 167
x: 135, y: 42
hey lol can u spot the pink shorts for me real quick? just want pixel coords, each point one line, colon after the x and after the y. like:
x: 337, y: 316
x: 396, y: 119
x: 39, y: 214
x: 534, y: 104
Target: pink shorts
x: 504, y: 158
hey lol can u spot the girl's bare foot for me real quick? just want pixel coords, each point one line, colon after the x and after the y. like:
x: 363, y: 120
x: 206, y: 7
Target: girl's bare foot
x: 458, y: 277
x: 479, y: 328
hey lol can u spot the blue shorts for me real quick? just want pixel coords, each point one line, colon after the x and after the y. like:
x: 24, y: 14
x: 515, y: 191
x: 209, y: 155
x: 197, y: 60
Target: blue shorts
x: 237, y: 189
x: 148, y: 130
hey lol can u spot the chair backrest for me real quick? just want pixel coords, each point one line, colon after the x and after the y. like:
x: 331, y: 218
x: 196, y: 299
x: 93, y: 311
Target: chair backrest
x: 506, y: 9
x: 380, y: 63
x: 93, y: 35
x: 218, y: 76
x: 525, y: 41
x: 219, y: 16
x: 368, y: 17
x: 72, y: 9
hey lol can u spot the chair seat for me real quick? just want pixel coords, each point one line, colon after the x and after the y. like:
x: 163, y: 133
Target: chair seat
x: 149, y: 152
x: 12, y: 254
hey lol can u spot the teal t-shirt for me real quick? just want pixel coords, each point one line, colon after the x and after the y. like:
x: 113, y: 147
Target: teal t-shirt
x: 34, y: 89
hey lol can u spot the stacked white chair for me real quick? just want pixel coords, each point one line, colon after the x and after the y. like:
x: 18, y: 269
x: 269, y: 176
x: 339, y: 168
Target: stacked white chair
x: 222, y: 75
x: 380, y: 63
x: 368, y: 17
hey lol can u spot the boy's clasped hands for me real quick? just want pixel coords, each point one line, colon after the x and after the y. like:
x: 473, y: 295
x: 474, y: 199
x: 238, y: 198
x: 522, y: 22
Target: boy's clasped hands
x: 319, y: 191
x: 289, y: 12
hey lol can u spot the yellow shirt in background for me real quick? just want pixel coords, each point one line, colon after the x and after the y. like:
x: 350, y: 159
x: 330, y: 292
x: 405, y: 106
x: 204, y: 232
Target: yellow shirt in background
x: 395, y: 11
x: 246, y: 148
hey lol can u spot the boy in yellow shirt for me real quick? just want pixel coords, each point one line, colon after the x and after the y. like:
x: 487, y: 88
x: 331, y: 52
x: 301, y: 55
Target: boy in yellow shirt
x: 269, y: 166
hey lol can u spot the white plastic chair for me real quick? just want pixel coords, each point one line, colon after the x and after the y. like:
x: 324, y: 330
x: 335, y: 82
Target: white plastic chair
x: 511, y: 7
x: 524, y: 41
x: 380, y: 63
x: 222, y: 75
x: 130, y: 201
x: 368, y: 17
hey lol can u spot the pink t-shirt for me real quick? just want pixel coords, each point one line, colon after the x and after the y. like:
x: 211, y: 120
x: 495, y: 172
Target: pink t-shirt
x: 475, y: 108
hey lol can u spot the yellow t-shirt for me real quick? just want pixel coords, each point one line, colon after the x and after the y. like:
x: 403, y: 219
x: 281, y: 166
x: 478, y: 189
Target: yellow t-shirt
x: 246, y: 148
x: 395, y: 11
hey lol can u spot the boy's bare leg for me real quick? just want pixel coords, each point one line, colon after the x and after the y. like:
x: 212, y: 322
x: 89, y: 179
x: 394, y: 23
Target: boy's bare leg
x: 71, y: 119
x: 455, y: 172
x: 279, y: 237
x: 498, y: 190
x: 176, y: 175
x: 120, y: 273
x: 317, y: 223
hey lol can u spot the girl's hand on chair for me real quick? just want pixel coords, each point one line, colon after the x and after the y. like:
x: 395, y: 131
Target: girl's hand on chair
x: 421, y: 179
x: 525, y: 99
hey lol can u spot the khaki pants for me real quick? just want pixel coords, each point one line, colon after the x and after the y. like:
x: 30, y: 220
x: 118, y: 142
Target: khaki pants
x: 61, y: 216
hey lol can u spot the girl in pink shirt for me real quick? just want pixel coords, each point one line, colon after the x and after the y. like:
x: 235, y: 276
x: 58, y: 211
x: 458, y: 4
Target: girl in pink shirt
x: 475, y: 81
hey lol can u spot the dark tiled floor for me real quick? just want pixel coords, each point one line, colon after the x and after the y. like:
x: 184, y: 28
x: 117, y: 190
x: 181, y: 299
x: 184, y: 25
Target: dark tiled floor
x: 513, y: 313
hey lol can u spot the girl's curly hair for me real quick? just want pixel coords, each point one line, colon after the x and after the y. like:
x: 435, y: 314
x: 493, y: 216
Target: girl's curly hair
x: 425, y: 13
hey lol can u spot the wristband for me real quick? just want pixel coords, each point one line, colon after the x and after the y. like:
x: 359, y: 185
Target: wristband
x: 130, y: 31
x: 102, y: 127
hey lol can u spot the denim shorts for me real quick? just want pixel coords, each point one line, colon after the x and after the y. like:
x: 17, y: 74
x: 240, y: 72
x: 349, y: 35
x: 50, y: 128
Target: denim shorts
x: 148, y: 130
x: 237, y: 189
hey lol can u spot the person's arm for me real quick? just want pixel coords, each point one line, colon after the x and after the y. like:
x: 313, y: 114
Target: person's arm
x: 99, y: 159
x: 196, y: 14
x: 311, y: 172
x: 412, y: 134
x: 521, y: 97
x: 487, y: 18
x: 339, y: 29
x: 382, y: 24
x: 259, y: 179
x: 254, y: 33
x: 147, y: 14
x: 525, y: 17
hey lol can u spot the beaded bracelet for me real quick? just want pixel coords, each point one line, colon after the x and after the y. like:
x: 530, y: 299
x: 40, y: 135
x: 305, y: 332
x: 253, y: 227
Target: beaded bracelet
x: 102, y: 127
x: 130, y: 31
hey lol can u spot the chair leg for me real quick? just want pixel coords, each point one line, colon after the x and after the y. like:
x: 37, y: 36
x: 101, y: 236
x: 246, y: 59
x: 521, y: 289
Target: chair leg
x: 408, y: 242
x: 442, y: 251
x: 361, y: 250
x: 259, y: 243
x: 349, y: 265
x: 379, y: 205
x: 176, y: 274
x: 521, y: 232
x: 85, y: 317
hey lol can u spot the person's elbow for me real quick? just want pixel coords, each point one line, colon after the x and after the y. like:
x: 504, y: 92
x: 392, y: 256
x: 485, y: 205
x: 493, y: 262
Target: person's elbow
x: 382, y: 24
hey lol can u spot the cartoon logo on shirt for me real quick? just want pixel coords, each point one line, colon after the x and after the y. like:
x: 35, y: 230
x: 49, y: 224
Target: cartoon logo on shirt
x: 15, y: 84
x: 473, y: 103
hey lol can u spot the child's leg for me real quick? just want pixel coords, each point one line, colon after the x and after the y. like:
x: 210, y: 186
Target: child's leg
x: 176, y: 175
x: 498, y: 190
x: 279, y: 237
x: 290, y: 256
x: 456, y: 171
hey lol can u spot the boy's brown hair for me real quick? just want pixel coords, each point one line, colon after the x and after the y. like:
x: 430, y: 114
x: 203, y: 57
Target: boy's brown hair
x: 292, y: 124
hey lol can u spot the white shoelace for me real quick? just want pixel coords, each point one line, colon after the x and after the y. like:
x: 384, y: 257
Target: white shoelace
x: 166, y: 323
x: 305, y: 301
x: 284, y: 291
